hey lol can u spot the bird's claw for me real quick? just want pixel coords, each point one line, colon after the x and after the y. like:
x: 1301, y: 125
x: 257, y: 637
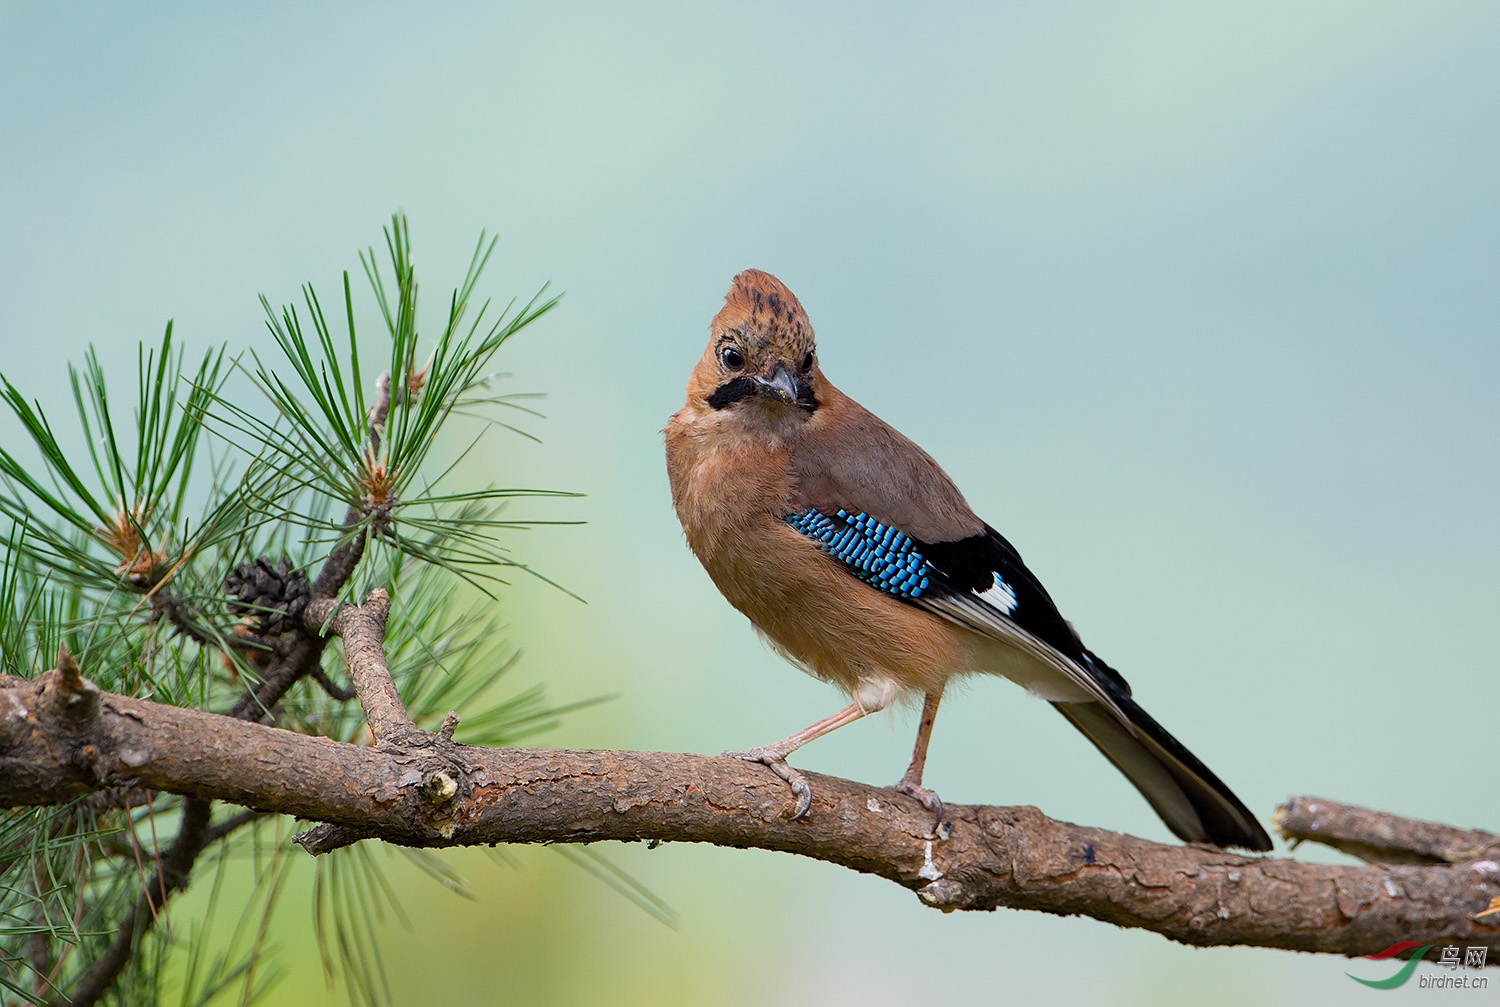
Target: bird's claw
x: 778, y: 765
x: 932, y: 802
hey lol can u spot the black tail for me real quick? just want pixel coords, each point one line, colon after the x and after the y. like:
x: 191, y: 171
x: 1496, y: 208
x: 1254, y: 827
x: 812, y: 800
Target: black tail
x: 1193, y: 802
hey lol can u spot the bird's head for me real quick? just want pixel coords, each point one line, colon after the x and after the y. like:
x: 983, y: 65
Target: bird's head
x: 760, y: 357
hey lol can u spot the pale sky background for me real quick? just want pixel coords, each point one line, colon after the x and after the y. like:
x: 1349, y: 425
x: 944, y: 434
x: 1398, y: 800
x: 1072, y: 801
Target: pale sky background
x: 1197, y: 303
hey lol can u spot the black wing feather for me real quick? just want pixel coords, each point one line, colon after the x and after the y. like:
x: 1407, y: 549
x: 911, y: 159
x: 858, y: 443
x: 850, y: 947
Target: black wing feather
x: 970, y: 565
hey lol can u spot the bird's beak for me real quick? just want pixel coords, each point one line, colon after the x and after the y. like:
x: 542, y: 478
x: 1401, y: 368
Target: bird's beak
x: 780, y: 386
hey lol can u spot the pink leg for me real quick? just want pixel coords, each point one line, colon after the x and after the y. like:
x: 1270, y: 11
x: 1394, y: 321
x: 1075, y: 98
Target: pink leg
x: 911, y: 783
x: 775, y: 755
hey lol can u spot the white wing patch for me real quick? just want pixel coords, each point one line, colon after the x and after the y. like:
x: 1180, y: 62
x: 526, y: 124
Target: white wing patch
x: 1002, y: 596
x: 974, y: 612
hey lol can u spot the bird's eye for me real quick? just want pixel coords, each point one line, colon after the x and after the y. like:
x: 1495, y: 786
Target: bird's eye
x: 733, y: 358
x: 807, y: 361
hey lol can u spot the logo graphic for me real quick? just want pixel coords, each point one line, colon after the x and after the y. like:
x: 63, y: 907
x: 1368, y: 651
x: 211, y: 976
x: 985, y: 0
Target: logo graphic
x: 1473, y: 957
x: 1402, y: 974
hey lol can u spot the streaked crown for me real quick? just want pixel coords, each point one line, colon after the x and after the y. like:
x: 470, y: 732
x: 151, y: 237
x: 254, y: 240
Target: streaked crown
x: 760, y: 309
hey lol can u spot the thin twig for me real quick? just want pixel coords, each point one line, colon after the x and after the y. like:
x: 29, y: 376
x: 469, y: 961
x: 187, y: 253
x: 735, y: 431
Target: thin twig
x: 231, y: 825
x: 342, y: 693
x: 300, y: 657
x: 1379, y: 838
x: 342, y: 561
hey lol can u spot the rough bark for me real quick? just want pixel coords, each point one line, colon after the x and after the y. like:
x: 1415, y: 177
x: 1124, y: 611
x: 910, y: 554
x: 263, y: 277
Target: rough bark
x: 61, y: 738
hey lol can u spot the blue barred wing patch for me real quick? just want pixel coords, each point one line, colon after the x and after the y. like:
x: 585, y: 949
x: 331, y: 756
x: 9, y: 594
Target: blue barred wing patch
x: 875, y: 553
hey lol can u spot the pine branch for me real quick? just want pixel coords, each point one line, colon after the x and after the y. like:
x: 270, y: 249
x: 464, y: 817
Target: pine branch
x: 77, y: 700
x: 106, y: 555
x: 171, y: 876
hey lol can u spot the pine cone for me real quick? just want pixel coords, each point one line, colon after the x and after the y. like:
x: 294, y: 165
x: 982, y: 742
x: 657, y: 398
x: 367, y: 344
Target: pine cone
x: 275, y: 595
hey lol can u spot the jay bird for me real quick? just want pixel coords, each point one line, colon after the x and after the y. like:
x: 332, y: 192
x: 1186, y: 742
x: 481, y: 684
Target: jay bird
x: 858, y: 559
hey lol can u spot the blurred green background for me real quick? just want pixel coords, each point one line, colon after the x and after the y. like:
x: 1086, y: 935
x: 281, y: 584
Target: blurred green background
x: 1198, y: 304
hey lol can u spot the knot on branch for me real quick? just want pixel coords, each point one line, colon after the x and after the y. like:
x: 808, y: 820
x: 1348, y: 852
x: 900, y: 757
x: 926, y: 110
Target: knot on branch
x: 436, y: 772
x: 440, y: 788
x: 75, y: 698
x: 275, y: 594
x: 434, y: 792
x: 946, y: 894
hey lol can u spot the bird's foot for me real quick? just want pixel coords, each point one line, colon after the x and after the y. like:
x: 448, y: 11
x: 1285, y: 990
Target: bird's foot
x: 932, y: 802
x: 777, y: 761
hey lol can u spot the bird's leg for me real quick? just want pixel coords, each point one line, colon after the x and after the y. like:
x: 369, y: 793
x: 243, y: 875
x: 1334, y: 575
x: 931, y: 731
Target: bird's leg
x: 775, y: 755
x: 911, y: 782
